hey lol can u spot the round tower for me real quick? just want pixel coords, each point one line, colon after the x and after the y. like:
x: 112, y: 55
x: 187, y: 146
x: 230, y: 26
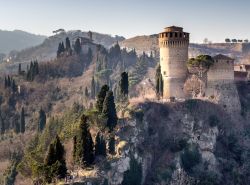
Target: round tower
x: 173, y: 44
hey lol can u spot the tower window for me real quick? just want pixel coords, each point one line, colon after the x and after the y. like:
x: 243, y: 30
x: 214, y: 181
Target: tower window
x: 164, y: 72
x: 171, y: 34
x: 176, y: 34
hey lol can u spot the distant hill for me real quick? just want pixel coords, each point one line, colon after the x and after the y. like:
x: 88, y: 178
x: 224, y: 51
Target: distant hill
x: 47, y: 49
x: 18, y: 40
x: 146, y: 44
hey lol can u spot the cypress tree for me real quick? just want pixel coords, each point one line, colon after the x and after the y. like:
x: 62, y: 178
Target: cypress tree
x: 68, y: 46
x: 86, y: 92
x: 59, y: 50
x: 161, y: 85
x: 22, y: 121
x: 5, y: 82
x: 103, y: 147
x: 77, y: 46
x: 19, y: 68
x: 100, y: 97
x: 17, y: 127
x: 111, y: 145
x: 134, y: 174
x: 13, y: 86
x: 55, y: 159
x: 75, y: 159
x: 124, y: 84
x: 106, y: 182
x: 9, y: 81
x: 90, y: 55
x: 50, y: 158
x: 157, y: 77
x: 42, y: 120
x: 62, y: 47
x: 2, y: 125
x: 98, y: 144
x: 93, y: 88
x: 85, y: 149
x: 109, y: 110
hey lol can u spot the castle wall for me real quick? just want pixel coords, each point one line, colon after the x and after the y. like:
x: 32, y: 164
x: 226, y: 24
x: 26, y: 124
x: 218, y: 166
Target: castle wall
x: 222, y: 70
x: 221, y: 87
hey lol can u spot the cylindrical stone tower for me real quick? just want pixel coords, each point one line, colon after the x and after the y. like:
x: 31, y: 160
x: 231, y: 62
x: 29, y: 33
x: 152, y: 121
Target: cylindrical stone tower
x: 173, y: 44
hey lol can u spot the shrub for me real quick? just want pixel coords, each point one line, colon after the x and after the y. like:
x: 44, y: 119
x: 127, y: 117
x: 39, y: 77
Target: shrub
x: 190, y: 157
x: 134, y: 174
x: 191, y: 104
x: 213, y: 121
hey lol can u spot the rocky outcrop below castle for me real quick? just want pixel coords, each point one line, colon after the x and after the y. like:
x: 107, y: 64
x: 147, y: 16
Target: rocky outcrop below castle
x: 180, y: 143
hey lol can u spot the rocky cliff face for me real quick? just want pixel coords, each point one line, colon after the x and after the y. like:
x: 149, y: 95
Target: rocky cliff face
x: 158, y: 135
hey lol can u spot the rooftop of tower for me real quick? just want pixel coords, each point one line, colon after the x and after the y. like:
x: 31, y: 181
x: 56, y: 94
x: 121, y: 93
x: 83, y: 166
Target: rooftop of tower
x: 173, y: 29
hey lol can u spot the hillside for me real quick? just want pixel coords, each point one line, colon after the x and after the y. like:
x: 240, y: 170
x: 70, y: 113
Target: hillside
x: 47, y: 50
x: 18, y: 40
x: 148, y: 141
x: 141, y: 44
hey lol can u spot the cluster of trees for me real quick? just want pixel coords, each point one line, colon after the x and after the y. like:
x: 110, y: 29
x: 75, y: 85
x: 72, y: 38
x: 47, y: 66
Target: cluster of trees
x: 105, y: 105
x: 227, y: 40
x: 93, y: 89
x: 140, y: 69
x: 62, y: 49
x: 159, y: 81
x: 54, y: 163
x: 204, y: 61
x: 9, y: 82
x: 85, y: 151
x: 32, y: 70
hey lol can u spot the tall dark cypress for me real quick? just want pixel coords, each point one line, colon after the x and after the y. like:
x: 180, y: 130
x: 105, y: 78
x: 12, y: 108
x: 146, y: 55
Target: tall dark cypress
x: 100, y: 145
x: 111, y: 145
x: 22, y: 121
x: 86, y: 93
x: 75, y: 157
x: 59, y: 50
x: 2, y: 124
x: 124, y: 84
x: 42, y: 120
x: 19, y: 68
x: 77, y: 46
x: 161, y: 85
x: 93, y: 87
x: 109, y: 110
x: 85, y: 145
x: 100, y: 97
x: 13, y: 86
x: 5, y: 82
x: 56, y: 156
x: 67, y: 42
x: 157, y: 79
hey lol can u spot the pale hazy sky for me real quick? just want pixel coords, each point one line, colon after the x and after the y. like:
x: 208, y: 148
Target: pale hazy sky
x: 214, y: 19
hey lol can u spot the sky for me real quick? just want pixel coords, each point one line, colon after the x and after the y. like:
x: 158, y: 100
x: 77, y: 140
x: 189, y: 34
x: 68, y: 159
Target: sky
x: 212, y: 19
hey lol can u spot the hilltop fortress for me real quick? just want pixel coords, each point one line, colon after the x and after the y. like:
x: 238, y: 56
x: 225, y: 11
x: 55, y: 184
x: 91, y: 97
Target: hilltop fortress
x: 217, y: 83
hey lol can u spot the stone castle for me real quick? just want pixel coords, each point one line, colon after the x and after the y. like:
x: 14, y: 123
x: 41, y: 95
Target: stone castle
x: 216, y: 83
